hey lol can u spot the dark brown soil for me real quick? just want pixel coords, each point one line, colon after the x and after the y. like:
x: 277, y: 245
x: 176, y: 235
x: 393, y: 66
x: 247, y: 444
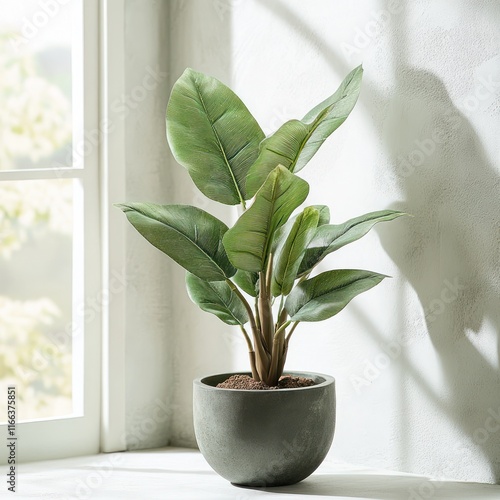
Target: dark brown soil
x: 246, y: 382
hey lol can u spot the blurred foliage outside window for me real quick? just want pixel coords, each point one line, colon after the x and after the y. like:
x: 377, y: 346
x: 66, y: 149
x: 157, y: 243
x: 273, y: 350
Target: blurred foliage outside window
x: 36, y: 222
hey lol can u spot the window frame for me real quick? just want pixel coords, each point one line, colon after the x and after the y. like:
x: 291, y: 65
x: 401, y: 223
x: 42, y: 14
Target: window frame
x: 101, y: 424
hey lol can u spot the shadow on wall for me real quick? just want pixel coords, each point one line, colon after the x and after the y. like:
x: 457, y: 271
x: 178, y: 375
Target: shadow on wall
x: 450, y: 251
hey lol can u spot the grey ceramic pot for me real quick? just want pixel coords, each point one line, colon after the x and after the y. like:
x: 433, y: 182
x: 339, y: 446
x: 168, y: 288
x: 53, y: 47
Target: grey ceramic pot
x: 264, y: 438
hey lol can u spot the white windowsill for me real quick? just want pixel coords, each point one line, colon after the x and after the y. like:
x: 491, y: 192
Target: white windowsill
x: 177, y: 473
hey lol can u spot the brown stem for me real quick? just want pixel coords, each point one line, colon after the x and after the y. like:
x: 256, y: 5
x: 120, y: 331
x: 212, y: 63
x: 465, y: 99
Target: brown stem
x: 257, y: 313
x: 261, y: 356
x: 255, y: 373
x: 269, y: 275
x: 266, y: 314
x: 275, y: 358
x: 281, y: 364
x: 247, y: 338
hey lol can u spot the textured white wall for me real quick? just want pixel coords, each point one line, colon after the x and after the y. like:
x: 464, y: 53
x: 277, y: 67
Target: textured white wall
x: 149, y: 344
x: 417, y: 358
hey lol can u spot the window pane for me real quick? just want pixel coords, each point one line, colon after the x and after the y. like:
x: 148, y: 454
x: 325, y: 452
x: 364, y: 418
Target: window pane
x: 36, y: 84
x: 37, y: 294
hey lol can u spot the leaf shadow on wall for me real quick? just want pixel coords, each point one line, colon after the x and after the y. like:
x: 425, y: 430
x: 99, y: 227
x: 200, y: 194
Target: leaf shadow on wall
x: 450, y: 251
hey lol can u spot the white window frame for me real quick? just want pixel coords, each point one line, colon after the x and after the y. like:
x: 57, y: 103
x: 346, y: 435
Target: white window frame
x: 100, y: 426
x: 113, y: 175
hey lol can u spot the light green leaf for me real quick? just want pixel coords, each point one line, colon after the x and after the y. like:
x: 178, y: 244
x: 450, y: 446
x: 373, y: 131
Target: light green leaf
x: 216, y: 297
x: 213, y: 135
x: 324, y: 214
x: 248, y: 242
x: 247, y: 281
x: 328, y: 293
x: 329, y: 238
x: 189, y: 235
x: 290, y: 254
x: 296, y: 142
x: 282, y: 232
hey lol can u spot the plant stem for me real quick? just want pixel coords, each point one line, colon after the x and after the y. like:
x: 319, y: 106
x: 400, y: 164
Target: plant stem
x: 281, y: 329
x: 266, y: 313
x: 251, y: 317
x: 257, y: 313
x: 255, y: 373
x: 269, y: 275
x: 280, y: 309
x: 247, y: 338
x: 303, y: 278
x: 262, y: 357
x: 281, y: 364
x: 273, y: 377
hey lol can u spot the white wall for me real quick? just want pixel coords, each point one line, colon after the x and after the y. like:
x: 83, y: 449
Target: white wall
x: 149, y: 338
x: 423, y: 138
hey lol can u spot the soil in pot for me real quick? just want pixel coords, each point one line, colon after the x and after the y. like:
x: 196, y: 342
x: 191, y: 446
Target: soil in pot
x: 248, y: 383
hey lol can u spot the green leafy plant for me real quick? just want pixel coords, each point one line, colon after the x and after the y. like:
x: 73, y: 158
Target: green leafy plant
x: 258, y: 271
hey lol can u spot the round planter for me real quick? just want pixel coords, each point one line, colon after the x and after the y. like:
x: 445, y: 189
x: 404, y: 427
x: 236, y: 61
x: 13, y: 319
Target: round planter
x: 264, y: 438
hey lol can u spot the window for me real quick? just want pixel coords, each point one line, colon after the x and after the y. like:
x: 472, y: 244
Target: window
x: 50, y: 225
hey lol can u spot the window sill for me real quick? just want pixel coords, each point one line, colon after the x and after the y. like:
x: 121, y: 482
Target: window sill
x: 183, y: 474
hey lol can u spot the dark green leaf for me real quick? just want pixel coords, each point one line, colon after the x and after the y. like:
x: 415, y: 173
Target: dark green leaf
x: 216, y: 297
x: 213, y: 135
x: 329, y: 238
x: 248, y: 242
x: 189, y: 235
x: 247, y: 281
x: 328, y: 293
x: 296, y: 142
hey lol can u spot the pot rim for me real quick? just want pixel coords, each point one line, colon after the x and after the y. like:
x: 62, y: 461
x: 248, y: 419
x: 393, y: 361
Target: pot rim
x: 328, y: 380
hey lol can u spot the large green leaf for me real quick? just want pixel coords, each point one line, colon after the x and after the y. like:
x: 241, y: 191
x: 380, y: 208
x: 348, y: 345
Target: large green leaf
x: 324, y: 214
x: 328, y: 293
x: 297, y: 141
x: 329, y: 237
x: 282, y: 232
x: 216, y: 297
x: 290, y: 254
x: 213, y: 135
x: 189, y: 235
x: 247, y: 281
x: 248, y: 242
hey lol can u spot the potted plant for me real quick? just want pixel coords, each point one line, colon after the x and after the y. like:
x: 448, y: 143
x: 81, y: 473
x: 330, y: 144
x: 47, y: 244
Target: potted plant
x: 258, y: 272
